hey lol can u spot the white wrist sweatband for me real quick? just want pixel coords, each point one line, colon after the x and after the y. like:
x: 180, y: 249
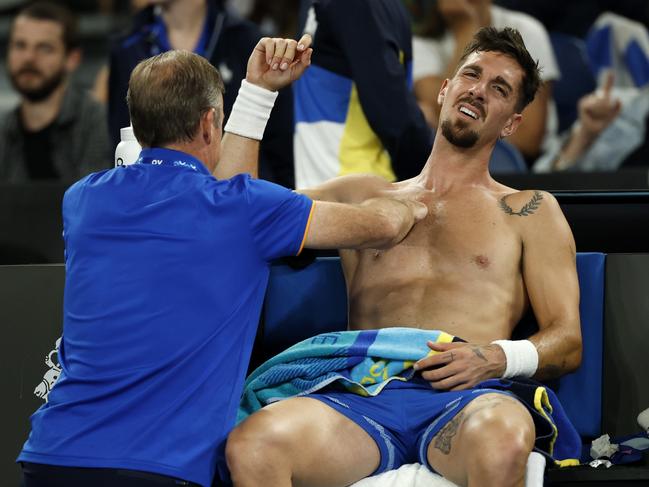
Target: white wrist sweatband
x: 522, y: 357
x: 251, y: 111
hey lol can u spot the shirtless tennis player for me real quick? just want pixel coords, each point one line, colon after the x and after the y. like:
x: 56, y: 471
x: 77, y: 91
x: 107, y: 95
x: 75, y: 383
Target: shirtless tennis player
x: 483, y: 255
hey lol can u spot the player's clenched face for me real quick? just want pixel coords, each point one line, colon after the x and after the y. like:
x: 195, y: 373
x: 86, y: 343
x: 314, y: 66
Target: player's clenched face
x: 479, y: 102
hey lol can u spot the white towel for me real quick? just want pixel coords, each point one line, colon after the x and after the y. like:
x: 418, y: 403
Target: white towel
x: 410, y: 475
x: 416, y: 475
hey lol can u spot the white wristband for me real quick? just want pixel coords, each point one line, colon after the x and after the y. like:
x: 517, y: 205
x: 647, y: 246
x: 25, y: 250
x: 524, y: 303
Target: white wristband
x: 251, y: 111
x: 522, y: 357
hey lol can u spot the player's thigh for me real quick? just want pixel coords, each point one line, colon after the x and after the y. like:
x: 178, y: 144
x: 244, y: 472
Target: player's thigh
x: 323, y: 446
x: 484, y: 425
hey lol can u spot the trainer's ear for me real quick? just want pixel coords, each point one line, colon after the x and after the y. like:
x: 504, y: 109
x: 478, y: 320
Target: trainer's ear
x: 207, y: 125
x: 442, y: 92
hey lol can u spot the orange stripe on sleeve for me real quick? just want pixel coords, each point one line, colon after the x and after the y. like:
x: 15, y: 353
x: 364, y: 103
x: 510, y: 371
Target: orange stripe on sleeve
x: 306, y: 230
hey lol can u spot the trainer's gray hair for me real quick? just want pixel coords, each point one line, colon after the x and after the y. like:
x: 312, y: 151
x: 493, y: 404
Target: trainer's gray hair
x: 168, y: 94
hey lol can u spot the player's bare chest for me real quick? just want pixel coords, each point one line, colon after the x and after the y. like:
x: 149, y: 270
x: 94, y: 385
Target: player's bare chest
x: 458, y: 236
x: 477, y: 223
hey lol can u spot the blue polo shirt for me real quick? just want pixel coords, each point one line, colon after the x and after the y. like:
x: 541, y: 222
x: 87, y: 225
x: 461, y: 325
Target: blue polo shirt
x: 166, y: 269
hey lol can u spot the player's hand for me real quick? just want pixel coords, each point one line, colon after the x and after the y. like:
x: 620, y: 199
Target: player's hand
x: 276, y: 63
x: 458, y: 366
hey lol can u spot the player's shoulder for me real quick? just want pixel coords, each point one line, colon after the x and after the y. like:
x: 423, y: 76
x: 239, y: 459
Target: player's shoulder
x: 528, y: 202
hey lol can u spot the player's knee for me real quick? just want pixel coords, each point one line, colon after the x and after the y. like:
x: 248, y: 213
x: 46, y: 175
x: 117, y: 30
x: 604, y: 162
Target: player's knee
x: 505, y: 433
x: 255, y: 445
x: 240, y: 450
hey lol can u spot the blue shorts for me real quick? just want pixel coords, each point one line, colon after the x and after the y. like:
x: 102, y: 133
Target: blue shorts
x: 403, y: 418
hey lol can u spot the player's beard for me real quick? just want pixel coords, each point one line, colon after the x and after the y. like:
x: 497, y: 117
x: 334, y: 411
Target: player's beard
x: 40, y: 91
x: 458, y: 135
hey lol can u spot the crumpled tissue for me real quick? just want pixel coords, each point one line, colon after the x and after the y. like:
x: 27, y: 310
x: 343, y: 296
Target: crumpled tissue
x: 602, y: 447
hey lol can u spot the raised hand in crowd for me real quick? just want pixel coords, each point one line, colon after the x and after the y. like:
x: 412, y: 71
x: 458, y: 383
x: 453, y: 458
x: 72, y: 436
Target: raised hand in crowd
x: 596, y: 112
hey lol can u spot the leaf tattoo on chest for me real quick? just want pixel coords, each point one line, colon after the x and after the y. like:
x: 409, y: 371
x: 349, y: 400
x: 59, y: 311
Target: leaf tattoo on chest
x: 528, y: 208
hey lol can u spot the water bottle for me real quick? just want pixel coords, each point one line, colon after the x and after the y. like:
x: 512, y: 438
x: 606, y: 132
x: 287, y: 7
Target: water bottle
x: 128, y: 150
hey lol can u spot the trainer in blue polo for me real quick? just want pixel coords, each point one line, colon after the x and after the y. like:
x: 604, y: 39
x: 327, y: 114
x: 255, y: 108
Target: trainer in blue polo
x: 166, y: 272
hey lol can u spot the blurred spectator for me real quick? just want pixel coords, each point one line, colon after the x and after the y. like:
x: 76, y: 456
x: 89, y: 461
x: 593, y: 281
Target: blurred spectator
x: 354, y: 109
x: 241, y: 7
x: 612, y: 120
x: 112, y: 7
x: 207, y: 28
x: 577, y: 16
x: 449, y: 26
x: 596, y: 112
x: 277, y: 18
x: 56, y: 131
x: 6, y: 5
x: 100, y: 85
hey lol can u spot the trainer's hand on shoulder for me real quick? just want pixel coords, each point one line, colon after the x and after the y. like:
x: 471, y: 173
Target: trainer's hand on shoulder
x: 276, y: 62
x: 411, y: 192
x: 458, y: 366
x: 392, y: 219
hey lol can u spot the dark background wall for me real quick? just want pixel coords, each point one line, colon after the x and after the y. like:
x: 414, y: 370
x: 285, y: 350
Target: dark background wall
x: 31, y: 303
x: 626, y: 339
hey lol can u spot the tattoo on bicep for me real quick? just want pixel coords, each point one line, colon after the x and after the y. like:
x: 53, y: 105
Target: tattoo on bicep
x: 528, y: 208
x: 445, y: 436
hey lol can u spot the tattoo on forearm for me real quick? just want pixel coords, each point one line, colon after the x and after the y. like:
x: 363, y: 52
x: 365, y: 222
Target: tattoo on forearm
x: 478, y: 353
x: 528, y: 208
x: 445, y: 436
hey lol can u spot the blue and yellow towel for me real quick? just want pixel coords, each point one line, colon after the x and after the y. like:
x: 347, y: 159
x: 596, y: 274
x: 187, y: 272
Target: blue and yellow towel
x: 365, y: 361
